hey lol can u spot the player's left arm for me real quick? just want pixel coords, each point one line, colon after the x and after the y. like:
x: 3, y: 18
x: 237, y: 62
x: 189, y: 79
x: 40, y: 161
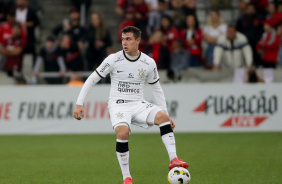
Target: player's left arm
x: 160, y: 99
x: 153, y: 80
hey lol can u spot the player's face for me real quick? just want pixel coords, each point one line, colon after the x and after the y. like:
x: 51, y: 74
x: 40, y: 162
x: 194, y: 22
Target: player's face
x: 129, y: 43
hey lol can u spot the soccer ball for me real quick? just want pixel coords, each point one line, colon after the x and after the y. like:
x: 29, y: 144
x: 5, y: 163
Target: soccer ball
x: 179, y: 175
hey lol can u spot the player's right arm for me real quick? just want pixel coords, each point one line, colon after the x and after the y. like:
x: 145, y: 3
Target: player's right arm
x: 95, y: 77
x: 89, y: 83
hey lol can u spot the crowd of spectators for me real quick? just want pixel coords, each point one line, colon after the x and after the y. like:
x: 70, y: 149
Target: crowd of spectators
x: 171, y: 27
x: 171, y: 35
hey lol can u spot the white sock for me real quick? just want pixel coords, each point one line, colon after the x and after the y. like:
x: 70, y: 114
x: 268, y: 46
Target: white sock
x: 169, y: 142
x: 123, y: 159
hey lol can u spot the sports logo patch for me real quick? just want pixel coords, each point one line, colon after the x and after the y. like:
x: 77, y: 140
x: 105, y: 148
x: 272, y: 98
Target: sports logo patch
x: 141, y: 74
x: 119, y: 115
x: 104, y: 67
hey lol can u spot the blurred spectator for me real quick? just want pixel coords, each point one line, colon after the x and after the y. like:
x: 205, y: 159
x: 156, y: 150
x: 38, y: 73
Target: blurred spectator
x: 178, y: 13
x: 99, y: 40
x: 73, y: 28
x: 189, y: 7
x: 273, y: 15
x: 192, y: 38
x: 251, y: 26
x: 268, y: 48
x: 155, y: 13
x: 128, y: 21
x: 71, y: 54
x: 164, y: 8
x: 157, y: 49
x: 121, y: 7
x: 28, y: 17
x: 49, y: 57
x: 75, y: 80
x: 234, y: 49
x: 212, y: 31
x: 179, y: 58
x: 279, y: 7
x: 6, y: 28
x: 242, y: 5
x: 140, y: 11
x: 253, y: 77
x: 12, y: 49
x: 170, y: 32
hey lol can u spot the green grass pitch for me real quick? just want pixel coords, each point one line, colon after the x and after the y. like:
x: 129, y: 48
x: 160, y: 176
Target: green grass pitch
x: 214, y: 158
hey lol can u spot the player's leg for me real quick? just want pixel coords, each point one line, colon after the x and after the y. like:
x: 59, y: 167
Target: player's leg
x: 122, y: 150
x: 162, y: 119
x: 121, y: 120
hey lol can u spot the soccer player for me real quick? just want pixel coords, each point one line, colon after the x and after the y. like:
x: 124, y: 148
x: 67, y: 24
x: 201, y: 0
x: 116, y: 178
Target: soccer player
x: 129, y: 69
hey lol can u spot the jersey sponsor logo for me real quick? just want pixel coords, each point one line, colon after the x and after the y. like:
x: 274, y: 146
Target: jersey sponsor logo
x: 104, y: 67
x: 127, y: 87
x: 120, y: 101
x: 119, y: 115
x: 131, y: 76
x: 141, y: 74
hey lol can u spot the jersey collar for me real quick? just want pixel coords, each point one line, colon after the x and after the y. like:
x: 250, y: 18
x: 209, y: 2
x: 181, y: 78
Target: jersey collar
x: 131, y: 59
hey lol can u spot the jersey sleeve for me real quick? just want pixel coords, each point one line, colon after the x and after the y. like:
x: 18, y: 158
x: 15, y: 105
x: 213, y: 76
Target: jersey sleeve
x: 106, y: 66
x: 153, y: 76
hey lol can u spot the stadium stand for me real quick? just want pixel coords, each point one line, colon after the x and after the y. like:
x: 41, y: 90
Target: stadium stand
x: 230, y: 11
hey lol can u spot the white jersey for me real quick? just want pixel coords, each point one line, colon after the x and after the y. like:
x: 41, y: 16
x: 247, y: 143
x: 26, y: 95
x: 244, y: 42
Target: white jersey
x: 128, y: 76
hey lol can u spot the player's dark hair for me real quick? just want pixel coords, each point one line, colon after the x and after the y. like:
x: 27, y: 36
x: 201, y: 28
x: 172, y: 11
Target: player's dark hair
x: 131, y: 29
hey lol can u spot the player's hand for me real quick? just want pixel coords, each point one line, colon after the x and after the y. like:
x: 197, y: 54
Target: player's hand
x: 172, y: 124
x: 78, y: 112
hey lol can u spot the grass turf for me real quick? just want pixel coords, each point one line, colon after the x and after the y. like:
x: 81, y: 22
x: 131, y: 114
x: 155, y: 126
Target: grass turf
x: 214, y: 158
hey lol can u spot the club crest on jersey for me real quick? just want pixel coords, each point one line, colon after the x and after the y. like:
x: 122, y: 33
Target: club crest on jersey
x: 119, y: 115
x: 141, y: 74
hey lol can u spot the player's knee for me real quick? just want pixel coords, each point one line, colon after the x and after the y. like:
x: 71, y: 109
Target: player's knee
x: 161, y: 117
x: 122, y: 132
x: 123, y: 136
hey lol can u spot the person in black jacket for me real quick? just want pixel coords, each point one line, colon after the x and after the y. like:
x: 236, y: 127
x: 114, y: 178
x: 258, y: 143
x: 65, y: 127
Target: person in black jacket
x: 69, y: 50
x: 99, y: 40
x: 251, y: 26
x: 28, y: 17
x: 72, y: 27
x: 51, y: 60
